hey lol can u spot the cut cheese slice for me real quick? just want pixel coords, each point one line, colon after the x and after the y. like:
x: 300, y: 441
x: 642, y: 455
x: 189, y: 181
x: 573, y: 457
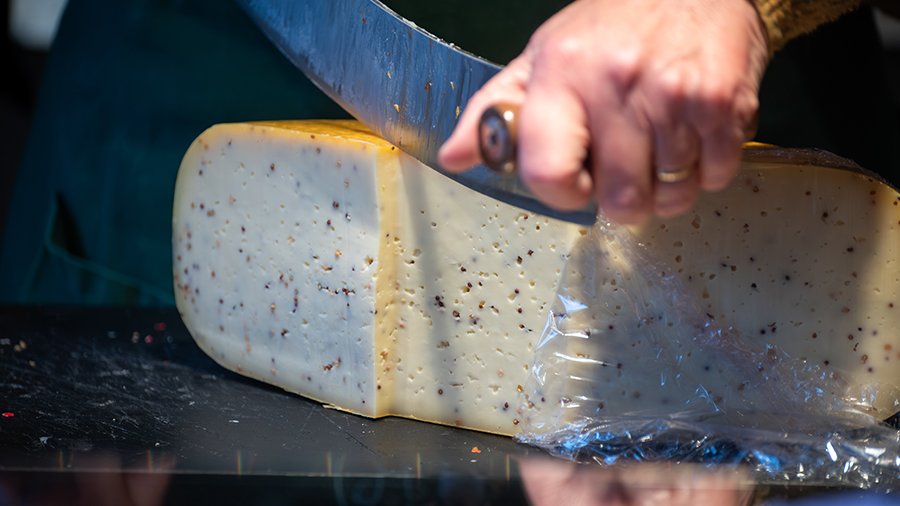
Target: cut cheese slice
x: 319, y: 258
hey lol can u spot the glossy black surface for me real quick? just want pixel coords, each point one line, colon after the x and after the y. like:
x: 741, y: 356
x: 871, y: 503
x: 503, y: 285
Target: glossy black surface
x: 77, y: 382
x: 118, y: 406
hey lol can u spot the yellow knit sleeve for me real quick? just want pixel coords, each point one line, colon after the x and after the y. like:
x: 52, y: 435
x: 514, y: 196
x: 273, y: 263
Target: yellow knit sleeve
x: 786, y: 19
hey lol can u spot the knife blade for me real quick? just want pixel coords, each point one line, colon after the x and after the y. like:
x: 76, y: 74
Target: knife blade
x: 397, y: 79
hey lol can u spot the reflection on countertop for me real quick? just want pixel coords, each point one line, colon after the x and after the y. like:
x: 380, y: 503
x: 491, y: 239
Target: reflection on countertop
x: 101, y: 478
x: 119, y: 406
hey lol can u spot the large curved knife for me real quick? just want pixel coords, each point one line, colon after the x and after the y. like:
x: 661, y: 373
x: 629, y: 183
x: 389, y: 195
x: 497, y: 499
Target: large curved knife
x: 402, y: 82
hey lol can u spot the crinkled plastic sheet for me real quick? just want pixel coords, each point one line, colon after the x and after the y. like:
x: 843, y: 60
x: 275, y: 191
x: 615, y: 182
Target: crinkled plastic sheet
x: 791, y: 421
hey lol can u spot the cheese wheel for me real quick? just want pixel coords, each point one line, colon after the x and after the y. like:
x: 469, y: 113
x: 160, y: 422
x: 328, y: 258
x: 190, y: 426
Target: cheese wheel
x: 317, y: 257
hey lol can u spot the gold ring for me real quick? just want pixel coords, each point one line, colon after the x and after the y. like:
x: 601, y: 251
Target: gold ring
x: 673, y: 176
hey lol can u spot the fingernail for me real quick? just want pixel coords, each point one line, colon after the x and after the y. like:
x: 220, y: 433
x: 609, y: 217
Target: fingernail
x: 584, y: 183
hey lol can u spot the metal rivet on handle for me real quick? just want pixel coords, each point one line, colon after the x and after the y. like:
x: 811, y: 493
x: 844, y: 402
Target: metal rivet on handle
x: 497, y: 137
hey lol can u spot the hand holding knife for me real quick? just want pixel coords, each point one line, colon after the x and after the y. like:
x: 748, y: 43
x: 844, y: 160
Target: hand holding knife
x: 658, y: 93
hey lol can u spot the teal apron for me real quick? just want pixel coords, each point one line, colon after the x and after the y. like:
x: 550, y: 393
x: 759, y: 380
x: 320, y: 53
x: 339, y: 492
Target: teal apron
x: 129, y: 85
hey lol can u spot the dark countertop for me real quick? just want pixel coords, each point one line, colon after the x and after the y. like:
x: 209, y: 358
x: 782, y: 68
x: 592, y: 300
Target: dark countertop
x: 109, y: 392
x: 131, y: 382
x: 119, y: 392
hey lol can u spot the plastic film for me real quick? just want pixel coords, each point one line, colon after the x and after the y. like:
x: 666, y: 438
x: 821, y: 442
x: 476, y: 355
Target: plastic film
x: 646, y: 356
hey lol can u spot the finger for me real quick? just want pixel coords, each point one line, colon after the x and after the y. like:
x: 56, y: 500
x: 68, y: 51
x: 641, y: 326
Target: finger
x: 722, y: 115
x: 676, y: 198
x: 553, y: 144
x: 720, y: 158
x: 676, y: 145
x: 676, y: 149
x: 460, y: 150
x: 622, y: 162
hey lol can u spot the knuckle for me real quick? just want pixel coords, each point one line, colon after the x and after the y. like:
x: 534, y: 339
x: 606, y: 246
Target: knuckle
x: 726, y: 103
x: 673, y: 85
x: 519, y: 68
x: 668, y: 93
x: 563, y: 51
x: 622, y: 67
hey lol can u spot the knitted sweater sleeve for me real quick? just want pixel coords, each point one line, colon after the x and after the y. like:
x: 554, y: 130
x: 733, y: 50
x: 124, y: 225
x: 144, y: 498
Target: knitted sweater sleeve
x: 786, y: 19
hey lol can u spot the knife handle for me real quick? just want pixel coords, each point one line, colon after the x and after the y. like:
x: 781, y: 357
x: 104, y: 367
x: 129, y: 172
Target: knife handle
x: 498, y: 137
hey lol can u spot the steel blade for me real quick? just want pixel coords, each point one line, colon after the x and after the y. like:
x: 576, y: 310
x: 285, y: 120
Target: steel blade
x: 402, y: 82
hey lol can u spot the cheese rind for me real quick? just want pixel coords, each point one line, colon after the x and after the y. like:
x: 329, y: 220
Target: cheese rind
x: 319, y: 258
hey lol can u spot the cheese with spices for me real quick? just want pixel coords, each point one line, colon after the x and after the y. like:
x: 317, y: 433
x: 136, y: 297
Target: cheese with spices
x: 319, y: 258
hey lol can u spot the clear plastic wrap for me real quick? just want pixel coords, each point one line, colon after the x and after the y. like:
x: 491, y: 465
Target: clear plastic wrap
x: 632, y: 365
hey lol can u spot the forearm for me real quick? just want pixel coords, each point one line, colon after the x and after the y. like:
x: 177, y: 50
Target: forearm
x: 787, y: 19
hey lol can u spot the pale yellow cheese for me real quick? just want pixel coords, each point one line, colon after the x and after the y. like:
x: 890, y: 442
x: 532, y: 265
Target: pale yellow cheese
x: 319, y: 258
x: 803, y: 258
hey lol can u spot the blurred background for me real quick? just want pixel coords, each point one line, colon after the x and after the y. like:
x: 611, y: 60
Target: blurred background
x: 835, y: 78
x: 28, y: 30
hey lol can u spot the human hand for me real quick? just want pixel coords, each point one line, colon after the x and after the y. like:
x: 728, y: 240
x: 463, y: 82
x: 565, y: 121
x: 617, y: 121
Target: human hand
x: 644, y: 86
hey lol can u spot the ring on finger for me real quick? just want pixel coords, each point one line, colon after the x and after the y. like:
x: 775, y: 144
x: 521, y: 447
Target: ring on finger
x: 673, y: 174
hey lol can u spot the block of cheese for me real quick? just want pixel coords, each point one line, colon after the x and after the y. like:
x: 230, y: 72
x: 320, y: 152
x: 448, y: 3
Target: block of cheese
x: 802, y: 258
x: 319, y: 258
x: 777, y: 294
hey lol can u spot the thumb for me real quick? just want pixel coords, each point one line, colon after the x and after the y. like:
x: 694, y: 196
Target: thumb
x: 460, y: 152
